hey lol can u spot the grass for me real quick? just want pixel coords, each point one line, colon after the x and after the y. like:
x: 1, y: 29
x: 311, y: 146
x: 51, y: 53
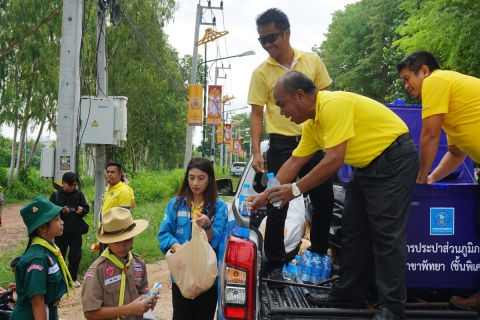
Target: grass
x: 153, y: 191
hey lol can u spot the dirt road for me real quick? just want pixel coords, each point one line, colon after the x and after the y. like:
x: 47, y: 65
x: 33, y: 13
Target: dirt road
x: 13, y: 231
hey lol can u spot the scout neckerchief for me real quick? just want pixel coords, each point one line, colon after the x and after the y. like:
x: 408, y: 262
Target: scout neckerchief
x: 54, y: 249
x: 113, y: 258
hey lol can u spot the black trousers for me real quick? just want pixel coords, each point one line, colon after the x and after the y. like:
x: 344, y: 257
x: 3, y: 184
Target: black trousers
x: 377, y: 203
x: 73, y: 241
x: 201, y: 308
x: 279, y: 151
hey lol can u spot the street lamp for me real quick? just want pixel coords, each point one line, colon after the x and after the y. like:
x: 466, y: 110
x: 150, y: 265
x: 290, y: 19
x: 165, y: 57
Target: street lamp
x: 246, y: 53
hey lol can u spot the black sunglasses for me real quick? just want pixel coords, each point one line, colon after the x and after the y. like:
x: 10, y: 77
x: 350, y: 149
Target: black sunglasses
x: 272, y: 37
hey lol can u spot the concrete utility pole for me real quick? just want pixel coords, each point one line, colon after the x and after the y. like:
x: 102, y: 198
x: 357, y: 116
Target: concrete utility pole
x: 69, y: 90
x: 193, y: 76
x: 102, y: 91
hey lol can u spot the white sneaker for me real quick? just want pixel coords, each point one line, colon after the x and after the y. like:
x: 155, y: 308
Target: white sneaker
x: 77, y: 284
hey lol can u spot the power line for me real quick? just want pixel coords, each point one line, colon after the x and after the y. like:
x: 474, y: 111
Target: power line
x: 182, y: 90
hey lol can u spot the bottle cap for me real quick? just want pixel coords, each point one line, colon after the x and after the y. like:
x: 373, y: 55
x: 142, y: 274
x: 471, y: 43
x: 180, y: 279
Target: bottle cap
x: 270, y: 175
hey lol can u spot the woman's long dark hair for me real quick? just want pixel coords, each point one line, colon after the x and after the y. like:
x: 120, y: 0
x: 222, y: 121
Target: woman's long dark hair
x: 210, y: 194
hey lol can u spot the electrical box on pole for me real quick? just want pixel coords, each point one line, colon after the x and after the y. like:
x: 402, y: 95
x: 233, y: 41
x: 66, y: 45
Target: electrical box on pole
x: 104, y: 120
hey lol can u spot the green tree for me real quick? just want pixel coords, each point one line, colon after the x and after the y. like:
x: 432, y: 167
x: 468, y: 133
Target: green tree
x: 358, y: 51
x: 450, y: 29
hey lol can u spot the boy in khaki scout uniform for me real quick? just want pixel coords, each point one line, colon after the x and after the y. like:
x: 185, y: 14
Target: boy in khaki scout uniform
x: 115, y: 283
x: 41, y: 276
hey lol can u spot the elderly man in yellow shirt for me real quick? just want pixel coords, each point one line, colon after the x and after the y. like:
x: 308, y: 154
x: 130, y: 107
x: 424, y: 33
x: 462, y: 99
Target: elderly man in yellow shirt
x: 367, y: 135
x: 450, y: 101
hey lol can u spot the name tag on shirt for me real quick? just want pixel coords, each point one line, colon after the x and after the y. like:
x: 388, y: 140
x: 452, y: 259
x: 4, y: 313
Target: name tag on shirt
x: 113, y: 280
x: 54, y: 269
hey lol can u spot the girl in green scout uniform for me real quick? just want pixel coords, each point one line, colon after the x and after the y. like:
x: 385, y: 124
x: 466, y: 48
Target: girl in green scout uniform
x: 115, y: 283
x: 41, y: 276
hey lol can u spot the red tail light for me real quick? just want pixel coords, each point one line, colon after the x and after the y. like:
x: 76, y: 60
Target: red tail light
x: 239, y: 290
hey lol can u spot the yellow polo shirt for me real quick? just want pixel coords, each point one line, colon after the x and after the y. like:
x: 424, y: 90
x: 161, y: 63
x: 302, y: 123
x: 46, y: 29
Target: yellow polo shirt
x: 263, y: 82
x: 117, y: 196
x: 457, y: 97
x: 368, y: 126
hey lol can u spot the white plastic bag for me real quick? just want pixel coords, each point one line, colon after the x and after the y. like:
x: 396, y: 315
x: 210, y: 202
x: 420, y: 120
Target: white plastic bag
x: 294, y: 224
x: 194, y: 264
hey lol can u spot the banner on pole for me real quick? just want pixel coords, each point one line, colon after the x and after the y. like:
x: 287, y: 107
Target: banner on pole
x: 230, y: 147
x: 214, y: 113
x: 195, y: 112
x: 220, y: 134
x: 228, y: 133
x: 237, y: 147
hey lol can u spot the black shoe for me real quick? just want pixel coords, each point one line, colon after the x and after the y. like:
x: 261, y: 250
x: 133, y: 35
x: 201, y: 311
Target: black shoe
x: 276, y: 274
x: 328, y: 300
x: 385, y: 314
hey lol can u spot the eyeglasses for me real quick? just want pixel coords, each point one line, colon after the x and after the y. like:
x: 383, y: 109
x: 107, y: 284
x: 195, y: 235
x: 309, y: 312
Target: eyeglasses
x: 272, y: 37
x: 72, y: 185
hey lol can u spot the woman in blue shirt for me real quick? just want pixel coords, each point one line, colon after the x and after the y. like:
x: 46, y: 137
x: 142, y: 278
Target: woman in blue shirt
x: 196, y: 200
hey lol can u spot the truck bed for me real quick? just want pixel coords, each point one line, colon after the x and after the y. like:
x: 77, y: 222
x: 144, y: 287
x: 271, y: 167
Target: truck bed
x: 291, y: 303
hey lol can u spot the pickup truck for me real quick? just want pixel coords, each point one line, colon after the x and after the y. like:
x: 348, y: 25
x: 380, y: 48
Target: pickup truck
x: 436, y: 269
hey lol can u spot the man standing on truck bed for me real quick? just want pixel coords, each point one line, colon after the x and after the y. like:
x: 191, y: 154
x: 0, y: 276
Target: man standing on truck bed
x: 273, y: 28
x: 365, y: 134
x: 450, y: 101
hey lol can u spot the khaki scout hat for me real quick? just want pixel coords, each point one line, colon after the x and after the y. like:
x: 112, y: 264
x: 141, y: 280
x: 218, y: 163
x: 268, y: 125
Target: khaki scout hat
x: 37, y: 212
x: 118, y: 225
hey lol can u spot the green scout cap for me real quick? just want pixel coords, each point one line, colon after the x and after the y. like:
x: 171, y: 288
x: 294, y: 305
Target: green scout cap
x: 37, y: 212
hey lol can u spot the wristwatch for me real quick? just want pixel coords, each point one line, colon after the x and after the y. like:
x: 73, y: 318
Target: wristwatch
x: 207, y: 227
x: 295, y: 191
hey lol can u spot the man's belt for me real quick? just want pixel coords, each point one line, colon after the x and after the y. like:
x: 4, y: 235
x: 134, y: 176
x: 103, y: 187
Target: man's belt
x: 280, y: 136
x: 404, y: 137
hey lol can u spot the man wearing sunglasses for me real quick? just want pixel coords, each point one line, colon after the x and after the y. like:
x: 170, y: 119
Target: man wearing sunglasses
x: 274, y: 32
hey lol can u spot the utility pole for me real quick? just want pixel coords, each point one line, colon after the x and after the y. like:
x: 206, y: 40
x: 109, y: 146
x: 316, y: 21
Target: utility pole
x: 69, y: 90
x: 193, y: 75
x: 101, y: 91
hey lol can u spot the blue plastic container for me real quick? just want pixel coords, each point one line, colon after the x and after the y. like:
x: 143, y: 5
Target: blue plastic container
x: 411, y: 114
x: 443, y: 240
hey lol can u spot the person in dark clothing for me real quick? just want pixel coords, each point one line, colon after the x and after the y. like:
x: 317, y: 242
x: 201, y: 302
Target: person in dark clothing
x: 75, y: 207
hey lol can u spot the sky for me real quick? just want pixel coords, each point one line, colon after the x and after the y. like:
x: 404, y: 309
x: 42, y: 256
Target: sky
x: 309, y: 21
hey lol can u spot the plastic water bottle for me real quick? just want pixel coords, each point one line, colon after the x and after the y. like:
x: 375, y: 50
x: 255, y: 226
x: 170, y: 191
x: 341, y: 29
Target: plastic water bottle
x: 307, y: 266
x: 152, y: 292
x: 242, y: 204
x: 327, y: 267
x: 293, y: 267
x: 286, y: 275
x: 273, y: 182
x: 317, y: 268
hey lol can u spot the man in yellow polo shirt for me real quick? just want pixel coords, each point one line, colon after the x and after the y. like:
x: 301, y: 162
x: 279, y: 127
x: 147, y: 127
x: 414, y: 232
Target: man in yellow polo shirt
x: 450, y: 101
x: 367, y: 135
x: 273, y: 28
x: 117, y: 193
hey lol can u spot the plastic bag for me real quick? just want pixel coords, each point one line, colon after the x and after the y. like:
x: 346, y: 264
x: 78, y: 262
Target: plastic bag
x: 194, y: 264
x: 294, y: 224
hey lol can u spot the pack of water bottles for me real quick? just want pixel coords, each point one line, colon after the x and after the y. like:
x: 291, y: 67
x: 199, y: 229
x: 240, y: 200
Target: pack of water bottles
x: 314, y: 267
